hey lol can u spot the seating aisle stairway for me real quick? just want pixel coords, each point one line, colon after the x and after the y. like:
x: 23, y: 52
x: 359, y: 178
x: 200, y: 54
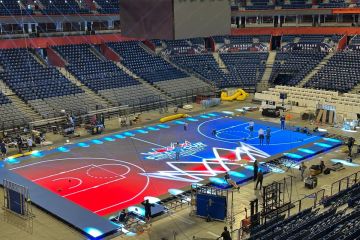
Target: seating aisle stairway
x: 42, y: 87
x: 105, y: 78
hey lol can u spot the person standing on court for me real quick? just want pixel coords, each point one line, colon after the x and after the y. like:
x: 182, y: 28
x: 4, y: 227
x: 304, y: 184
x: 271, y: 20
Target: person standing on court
x: 147, y: 205
x: 185, y: 126
x: 282, y: 122
x: 261, y: 136
x: 213, y: 132
x: 177, y: 151
x: 251, y: 128
x: 268, y: 135
x: 256, y: 170
x: 260, y: 178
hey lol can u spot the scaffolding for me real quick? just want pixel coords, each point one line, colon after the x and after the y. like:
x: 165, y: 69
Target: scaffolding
x: 17, y: 200
x: 276, y: 198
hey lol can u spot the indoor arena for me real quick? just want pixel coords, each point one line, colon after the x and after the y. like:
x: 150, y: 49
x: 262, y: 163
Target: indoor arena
x: 180, y: 119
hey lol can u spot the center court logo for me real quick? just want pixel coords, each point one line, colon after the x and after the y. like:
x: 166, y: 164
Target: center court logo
x: 224, y: 160
x: 186, y: 149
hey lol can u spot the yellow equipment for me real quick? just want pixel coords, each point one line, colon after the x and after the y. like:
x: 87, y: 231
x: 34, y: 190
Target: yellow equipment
x: 239, y: 95
x: 173, y: 117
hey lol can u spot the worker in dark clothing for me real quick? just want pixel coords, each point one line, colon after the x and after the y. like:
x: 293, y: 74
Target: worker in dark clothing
x: 226, y: 234
x: 282, y: 122
x: 19, y: 143
x: 268, y: 135
x: 256, y: 170
x: 122, y: 217
x: 350, y: 145
x: 260, y: 178
x: 147, y: 205
x: 322, y: 166
x: 213, y: 132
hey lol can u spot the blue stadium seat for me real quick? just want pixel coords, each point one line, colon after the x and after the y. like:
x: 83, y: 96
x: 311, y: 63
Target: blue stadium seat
x: 60, y: 7
x: 341, y: 73
x: 108, y: 6
x: 30, y: 80
x: 12, y: 7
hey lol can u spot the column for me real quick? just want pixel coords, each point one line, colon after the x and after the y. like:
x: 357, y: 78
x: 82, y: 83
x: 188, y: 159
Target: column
x: 59, y: 26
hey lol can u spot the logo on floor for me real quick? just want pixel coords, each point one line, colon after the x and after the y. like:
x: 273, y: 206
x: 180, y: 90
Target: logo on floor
x: 185, y: 149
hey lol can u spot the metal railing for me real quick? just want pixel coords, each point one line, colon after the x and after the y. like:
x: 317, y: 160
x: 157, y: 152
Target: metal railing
x: 133, y: 106
x: 345, y: 183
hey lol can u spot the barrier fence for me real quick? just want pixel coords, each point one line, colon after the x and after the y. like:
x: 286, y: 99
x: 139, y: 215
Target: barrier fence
x: 345, y: 183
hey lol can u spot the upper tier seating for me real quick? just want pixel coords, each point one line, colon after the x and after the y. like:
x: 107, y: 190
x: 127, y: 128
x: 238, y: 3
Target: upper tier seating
x: 314, y: 38
x: 12, y: 7
x: 199, y: 41
x: 37, y: 84
x: 156, y: 70
x: 182, y: 42
x: 59, y: 7
x: 241, y: 39
x: 243, y: 69
x: 291, y: 67
x: 334, y: 4
x: 10, y: 115
x: 341, y: 73
x: 108, y: 6
x: 104, y: 77
x: 260, y: 5
x: 176, y: 43
x: 297, y: 4
x: 355, y: 40
x: 156, y: 42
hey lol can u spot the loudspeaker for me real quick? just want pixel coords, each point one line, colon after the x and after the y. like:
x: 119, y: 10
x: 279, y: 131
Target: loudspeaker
x: 283, y: 96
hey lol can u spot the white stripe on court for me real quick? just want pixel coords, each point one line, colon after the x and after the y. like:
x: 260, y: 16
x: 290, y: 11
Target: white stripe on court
x: 213, y: 234
x: 223, y: 129
x: 93, y: 187
x: 141, y: 140
x: 116, y: 174
x: 56, y: 174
